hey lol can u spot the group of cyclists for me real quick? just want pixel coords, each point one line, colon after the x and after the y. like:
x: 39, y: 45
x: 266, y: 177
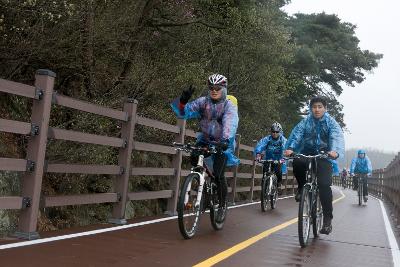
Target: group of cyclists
x: 318, y: 132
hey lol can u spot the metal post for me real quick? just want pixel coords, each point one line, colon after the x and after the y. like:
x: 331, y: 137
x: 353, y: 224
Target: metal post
x: 32, y: 180
x: 177, y: 164
x: 124, y: 161
x: 236, y: 168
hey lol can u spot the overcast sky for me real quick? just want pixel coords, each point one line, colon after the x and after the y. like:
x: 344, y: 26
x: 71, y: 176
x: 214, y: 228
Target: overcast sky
x: 372, y: 108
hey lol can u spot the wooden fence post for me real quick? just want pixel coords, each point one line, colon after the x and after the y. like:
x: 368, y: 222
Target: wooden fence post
x: 124, y: 161
x: 177, y: 164
x: 32, y: 179
x: 253, y: 175
x: 236, y: 168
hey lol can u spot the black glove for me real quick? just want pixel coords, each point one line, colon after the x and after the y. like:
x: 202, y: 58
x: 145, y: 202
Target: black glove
x: 186, y: 95
x: 224, y: 144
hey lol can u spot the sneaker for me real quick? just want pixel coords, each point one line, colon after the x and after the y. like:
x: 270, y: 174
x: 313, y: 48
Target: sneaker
x: 297, y: 197
x: 327, y: 226
x: 365, y: 198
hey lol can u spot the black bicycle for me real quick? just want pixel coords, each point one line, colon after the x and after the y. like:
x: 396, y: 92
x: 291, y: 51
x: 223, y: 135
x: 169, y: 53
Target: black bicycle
x: 360, y: 190
x: 199, y: 193
x: 310, y: 208
x: 269, y: 184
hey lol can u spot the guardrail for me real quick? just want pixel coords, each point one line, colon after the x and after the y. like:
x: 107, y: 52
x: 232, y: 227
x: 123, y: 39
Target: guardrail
x: 34, y: 165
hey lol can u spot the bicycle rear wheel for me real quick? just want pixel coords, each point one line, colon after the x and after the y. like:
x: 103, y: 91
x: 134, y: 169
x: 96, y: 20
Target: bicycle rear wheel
x: 304, y: 221
x: 218, y: 210
x: 188, y: 211
x: 317, y: 216
x: 264, y: 193
x: 274, y: 192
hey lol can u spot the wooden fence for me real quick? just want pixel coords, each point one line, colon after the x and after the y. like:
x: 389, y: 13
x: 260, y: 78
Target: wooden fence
x: 34, y: 166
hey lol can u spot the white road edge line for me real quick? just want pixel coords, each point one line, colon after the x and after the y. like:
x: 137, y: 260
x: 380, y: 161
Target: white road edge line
x: 110, y: 229
x: 392, y: 239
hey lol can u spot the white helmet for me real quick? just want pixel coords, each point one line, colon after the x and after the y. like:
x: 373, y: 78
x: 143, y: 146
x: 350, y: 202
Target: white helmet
x: 276, y: 127
x: 217, y: 79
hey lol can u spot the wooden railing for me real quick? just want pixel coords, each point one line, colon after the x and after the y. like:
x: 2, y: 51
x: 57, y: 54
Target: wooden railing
x: 34, y: 166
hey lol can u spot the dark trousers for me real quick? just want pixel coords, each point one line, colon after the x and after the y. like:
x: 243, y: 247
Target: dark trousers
x: 219, y: 173
x: 324, y: 176
x: 364, y: 181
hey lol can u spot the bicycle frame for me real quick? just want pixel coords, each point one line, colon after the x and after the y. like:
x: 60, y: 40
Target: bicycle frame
x: 268, y: 171
x: 309, y: 200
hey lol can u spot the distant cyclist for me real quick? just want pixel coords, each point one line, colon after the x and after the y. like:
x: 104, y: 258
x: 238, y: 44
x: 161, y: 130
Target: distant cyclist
x: 315, y: 133
x: 361, y: 165
x: 343, y: 177
x: 273, y: 145
x: 218, y: 118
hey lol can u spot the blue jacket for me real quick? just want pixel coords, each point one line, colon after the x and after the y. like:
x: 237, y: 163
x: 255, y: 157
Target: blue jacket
x: 273, y: 148
x: 218, y: 121
x: 361, y: 165
x: 335, y: 168
x: 310, y: 136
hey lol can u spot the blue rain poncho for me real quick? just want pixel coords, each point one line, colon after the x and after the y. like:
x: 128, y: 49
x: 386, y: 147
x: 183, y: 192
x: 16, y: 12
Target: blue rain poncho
x: 311, y: 136
x: 361, y: 165
x: 218, y: 121
x: 273, y: 148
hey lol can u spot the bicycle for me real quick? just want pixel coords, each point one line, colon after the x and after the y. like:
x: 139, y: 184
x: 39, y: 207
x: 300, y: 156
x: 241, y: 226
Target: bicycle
x: 360, y: 190
x: 269, y: 184
x: 344, y: 182
x: 310, y: 208
x: 198, y: 193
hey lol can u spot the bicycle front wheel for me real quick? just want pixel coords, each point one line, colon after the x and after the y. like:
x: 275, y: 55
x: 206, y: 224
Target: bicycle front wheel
x: 304, y: 221
x: 188, y: 211
x: 360, y: 192
x: 274, y: 192
x: 264, y: 194
x: 317, y: 216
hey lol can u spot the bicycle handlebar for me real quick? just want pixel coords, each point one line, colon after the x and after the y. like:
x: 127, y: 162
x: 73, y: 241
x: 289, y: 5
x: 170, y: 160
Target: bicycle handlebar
x: 212, y: 147
x: 322, y: 155
x: 269, y: 160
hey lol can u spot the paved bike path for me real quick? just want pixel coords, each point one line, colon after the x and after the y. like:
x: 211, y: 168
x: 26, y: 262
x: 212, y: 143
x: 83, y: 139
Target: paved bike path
x: 358, y: 239
x: 160, y: 244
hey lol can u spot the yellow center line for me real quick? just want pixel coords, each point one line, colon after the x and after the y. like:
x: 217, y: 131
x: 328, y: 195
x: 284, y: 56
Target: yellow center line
x: 242, y: 245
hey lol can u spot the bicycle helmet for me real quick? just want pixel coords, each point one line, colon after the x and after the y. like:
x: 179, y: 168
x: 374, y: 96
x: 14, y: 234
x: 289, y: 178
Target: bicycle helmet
x: 217, y: 79
x: 276, y: 127
x: 361, y: 151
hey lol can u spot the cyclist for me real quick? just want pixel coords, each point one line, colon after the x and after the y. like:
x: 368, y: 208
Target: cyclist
x: 218, y: 118
x: 273, y: 146
x: 361, y: 165
x: 315, y: 133
x: 343, y: 176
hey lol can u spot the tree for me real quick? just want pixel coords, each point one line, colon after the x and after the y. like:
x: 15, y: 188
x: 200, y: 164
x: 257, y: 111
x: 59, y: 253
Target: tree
x: 328, y: 55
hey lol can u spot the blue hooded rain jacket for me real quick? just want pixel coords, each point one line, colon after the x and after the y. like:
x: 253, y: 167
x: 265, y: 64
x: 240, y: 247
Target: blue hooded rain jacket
x: 361, y: 165
x: 311, y: 136
x: 273, y: 149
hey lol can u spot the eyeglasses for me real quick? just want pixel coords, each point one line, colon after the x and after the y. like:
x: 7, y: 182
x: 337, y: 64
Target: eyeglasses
x: 274, y: 132
x: 215, y: 88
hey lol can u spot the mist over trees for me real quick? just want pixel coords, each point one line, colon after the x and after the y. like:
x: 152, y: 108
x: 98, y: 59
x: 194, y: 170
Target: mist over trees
x: 103, y: 51
x: 379, y: 159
